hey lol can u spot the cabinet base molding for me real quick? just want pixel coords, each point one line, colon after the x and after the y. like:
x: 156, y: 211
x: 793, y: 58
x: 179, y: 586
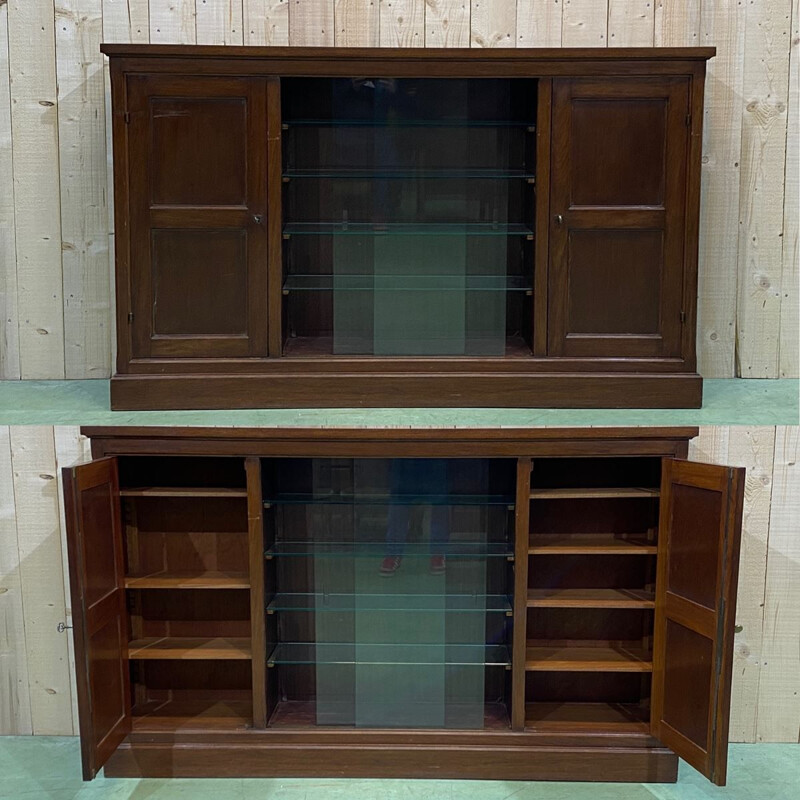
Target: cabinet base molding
x: 346, y: 390
x: 214, y: 759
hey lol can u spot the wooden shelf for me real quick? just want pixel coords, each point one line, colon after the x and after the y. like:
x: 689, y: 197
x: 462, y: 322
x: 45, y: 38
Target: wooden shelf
x: 183, y: 491
x: 190, y: 648
x: 616, y: 717
x: 189, y: 580
x: 200, y: 714
x: 590, y: 598
x: 590, y: 544
x: 303, y: 714
x: 595, y: 493
x: 316, y: 346
x: 614, y: 657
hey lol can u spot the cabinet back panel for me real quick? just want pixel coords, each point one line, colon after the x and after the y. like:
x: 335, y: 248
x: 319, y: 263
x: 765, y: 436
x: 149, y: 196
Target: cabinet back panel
x: 618, y: 515
x: 192, y: 552
x: 584, y: 572
x: 187, y: 471
x: 297, y: 575
x: 590, y: 472
x: 194, y: 613
x: 590, y: 624
x: 586, y: 687
x: 200, y: 676
x: 299, y: 682
x: 191, y: 514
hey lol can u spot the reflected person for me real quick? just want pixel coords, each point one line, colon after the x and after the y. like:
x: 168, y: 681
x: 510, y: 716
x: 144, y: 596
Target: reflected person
x: 416, y: 481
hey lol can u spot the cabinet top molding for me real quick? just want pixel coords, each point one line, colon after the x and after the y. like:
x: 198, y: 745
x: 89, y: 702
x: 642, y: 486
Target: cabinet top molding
x: 375, y: 443
x: 411, y: 55
x: 390, y: 434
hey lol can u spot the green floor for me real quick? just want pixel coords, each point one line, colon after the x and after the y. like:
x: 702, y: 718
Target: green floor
x: 726, y: 402
x: 48, y: 767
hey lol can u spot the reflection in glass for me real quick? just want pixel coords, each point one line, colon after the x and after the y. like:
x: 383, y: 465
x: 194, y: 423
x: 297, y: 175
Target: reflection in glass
x: 395, y: 602
x: 420, y: 195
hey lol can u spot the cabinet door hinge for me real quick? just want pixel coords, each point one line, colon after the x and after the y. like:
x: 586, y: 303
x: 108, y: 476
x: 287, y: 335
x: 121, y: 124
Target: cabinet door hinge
x: 130, y: 317
x: 126, y: 115
x: 683, y: 317
x: 688, y: 120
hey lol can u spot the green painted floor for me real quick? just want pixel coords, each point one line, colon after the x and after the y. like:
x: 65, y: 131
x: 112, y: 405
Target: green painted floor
x: 48, y: 767
x: 726, y: 402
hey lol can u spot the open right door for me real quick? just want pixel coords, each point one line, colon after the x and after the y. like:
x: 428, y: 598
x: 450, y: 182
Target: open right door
x: 698, y: 564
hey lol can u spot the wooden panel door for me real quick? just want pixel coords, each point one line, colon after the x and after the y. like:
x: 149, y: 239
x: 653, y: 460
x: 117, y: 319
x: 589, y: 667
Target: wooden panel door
x: 617, y: 203
x: 698, y: 564
x: 198, y: 212
x: 97, y: 583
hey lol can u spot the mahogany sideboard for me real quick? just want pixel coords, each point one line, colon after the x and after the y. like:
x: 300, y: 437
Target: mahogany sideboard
x: 406, y: 227
x: 519, y: 604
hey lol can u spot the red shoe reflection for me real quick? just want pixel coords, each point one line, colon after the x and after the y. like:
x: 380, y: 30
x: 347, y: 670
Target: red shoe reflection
x: 390, y: 565
x: 438, y: 565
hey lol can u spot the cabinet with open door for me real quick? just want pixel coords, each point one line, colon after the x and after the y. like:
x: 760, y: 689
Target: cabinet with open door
x: 384, y: 227
x: 503, y: 603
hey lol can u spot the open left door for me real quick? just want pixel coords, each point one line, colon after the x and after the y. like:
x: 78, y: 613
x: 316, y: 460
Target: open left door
x: 698, y: 565
x: 97, y: 583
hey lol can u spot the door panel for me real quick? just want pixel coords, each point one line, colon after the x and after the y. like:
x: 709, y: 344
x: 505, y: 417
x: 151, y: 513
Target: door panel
x: 617, y: 150
x: 184, y: 264
x: 617, y: 217
x: 627, y: 260
x: 698, y: 560
x: 97, y: 581
x: 198, y: 184
x: 188, y: 133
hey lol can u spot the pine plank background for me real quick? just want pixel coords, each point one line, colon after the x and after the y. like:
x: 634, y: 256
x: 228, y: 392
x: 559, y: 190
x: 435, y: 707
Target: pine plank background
x: 56, y: 234
x: 37, y: 688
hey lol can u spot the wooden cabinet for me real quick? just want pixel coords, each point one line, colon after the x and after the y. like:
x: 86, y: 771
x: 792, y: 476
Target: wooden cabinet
x: 508, y: 604
x: 198, y: 216
x: 379, y: 227
x: 618, y: 204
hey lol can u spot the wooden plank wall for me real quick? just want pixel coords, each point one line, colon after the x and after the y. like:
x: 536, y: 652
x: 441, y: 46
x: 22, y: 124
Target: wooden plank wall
x: 55, y: 202
x: 36, y: 674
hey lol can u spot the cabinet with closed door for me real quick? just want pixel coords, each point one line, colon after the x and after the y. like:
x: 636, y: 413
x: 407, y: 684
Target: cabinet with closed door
x: 379, y: 227
x: 504, y: 603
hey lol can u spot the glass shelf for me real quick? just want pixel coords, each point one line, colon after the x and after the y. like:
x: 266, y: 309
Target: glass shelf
x: 377, y: 654
x: 385, y: 499
x: 450, y: 549
x: 416, y: 174
x: 406, y: 229
x: 372, y: 122
x: 406, y: 283
x: 364, y: 602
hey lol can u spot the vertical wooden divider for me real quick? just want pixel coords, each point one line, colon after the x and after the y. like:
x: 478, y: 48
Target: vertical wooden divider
x: 255, y: 534
x: 541, y: 259
x: 521, y: 538
x: 274, y: 264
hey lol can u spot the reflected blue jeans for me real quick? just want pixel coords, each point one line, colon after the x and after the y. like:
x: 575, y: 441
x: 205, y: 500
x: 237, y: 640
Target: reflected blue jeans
x: 417, y: 479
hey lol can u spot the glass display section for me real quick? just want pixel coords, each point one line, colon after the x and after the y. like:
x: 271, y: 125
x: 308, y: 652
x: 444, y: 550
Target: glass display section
x: 392, y: 580
x: 408, y: 216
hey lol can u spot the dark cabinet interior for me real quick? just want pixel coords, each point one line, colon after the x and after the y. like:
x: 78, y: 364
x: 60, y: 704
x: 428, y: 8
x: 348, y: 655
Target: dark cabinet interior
x: 408, y: 210
x: 407, y: 228
x: 307, y: 595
